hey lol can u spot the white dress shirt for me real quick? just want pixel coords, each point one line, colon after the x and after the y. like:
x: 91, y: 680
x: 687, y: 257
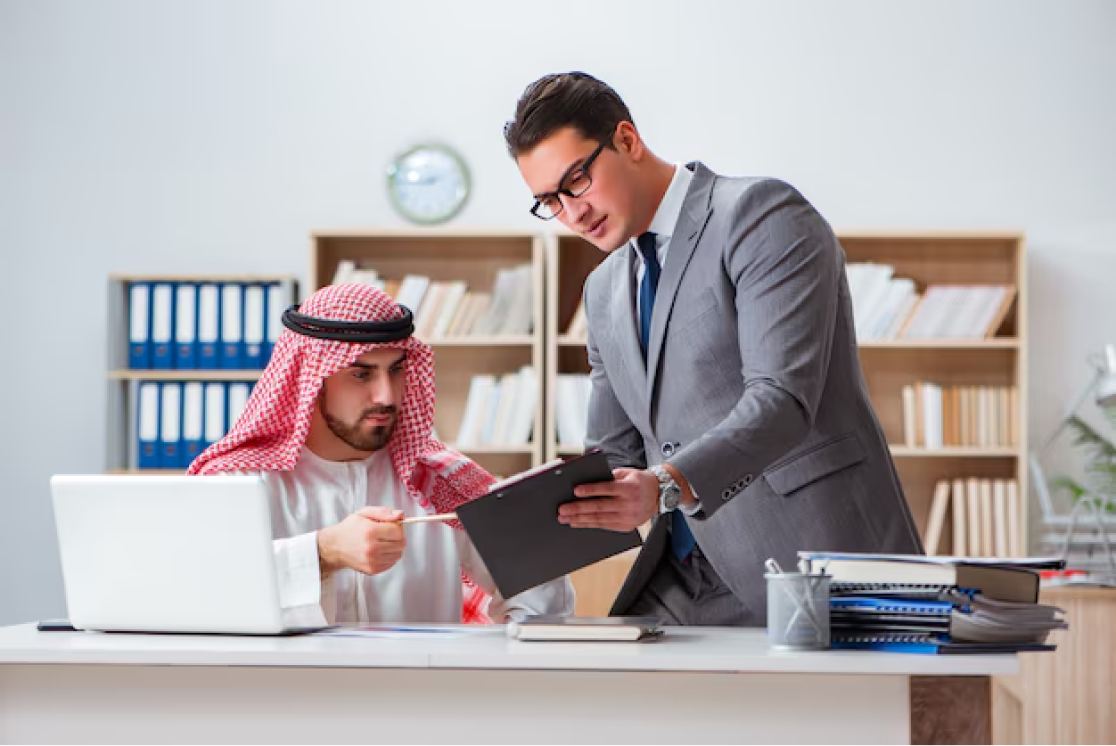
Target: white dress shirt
x: 664, y: 222
x: 424, y: 586
x: 663, y: 225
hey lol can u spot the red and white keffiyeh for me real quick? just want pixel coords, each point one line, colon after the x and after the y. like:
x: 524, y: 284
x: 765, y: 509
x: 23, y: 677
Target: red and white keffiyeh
x: 271, y: 433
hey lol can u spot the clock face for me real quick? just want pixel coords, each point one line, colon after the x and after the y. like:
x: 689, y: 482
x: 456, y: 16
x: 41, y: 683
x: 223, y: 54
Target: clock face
x: 428, y: 183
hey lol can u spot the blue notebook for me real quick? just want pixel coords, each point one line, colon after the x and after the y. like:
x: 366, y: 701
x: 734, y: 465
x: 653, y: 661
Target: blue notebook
x: 907, y: 607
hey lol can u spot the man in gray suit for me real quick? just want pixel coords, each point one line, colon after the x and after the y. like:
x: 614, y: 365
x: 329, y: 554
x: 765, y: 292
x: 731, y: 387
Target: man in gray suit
x: 726, y: 388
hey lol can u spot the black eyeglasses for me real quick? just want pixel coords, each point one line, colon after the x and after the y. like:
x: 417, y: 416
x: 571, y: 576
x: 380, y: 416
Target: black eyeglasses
x: 574, y: 184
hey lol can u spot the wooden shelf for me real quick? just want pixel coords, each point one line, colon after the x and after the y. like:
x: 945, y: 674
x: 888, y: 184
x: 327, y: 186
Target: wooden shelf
x: 996, y: 343
x: 440, y: 233
x: 566, y: 450
x: 517, y: 341
x: 893, y: 236
x: 185, y: 375
x: 205, y: 279
x: 954, y: 452
x: 471, y: 450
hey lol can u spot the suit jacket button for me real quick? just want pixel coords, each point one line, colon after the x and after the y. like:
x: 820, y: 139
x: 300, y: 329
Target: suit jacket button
x: 668, y: 450
x: 747, y: 479
x: 726, y: 495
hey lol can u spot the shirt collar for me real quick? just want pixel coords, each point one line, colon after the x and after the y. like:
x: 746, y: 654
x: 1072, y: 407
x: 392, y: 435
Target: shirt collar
x: 666, y: 217
x: 340, y: 467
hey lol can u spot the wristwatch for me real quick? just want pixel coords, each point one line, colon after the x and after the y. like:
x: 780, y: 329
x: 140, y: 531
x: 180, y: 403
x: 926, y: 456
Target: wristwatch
x: 670, y: 494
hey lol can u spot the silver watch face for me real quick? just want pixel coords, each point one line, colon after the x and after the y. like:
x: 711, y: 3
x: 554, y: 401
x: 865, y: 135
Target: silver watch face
x: 669, y: 497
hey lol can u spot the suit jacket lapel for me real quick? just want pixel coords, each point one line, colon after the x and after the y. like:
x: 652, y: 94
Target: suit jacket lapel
x: 623, y: 310
x: 695, y: 215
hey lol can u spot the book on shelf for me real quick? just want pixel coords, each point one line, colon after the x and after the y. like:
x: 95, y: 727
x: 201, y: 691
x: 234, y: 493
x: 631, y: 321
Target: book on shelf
x: 959, y: 312
x: 450, y: 308
x: 881, y: 302
x: 204, y: 325
x: 986, y: 517
x: 571, y: 409
x: 499, y: 410
x: 349, y: 272
x: 936, y: 416
x: 887, y: 307
x: 578, y: 327
x: 177, y: 420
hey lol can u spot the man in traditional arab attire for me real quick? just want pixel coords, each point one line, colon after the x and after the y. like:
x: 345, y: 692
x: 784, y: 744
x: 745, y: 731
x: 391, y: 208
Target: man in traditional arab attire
x: 339, y: 426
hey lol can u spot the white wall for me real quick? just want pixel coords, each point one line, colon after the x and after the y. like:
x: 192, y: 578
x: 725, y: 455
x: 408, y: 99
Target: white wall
x: 213, y: 136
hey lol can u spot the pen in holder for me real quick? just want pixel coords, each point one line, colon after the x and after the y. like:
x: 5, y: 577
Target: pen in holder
x: 797, y: 608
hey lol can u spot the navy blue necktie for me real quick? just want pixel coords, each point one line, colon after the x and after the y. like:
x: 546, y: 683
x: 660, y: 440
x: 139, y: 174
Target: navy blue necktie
x: 681, y: 538
x: 647, y: 288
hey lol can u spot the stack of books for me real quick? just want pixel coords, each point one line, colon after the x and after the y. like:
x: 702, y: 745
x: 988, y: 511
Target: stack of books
x: 937, y: 605
x: 450, y: 308
x: 500, y: 409
x: 887, y: 307
x: 936, y: 416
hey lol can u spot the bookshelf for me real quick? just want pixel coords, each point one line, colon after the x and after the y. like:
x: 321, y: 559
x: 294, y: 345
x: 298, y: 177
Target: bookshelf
x: 124, y: 382
x: 926, y: 257
x: 953, y: 258
x: 475, y: 258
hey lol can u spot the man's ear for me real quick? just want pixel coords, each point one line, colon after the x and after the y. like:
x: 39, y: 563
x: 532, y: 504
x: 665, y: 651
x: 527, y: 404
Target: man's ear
x: 628, y: 142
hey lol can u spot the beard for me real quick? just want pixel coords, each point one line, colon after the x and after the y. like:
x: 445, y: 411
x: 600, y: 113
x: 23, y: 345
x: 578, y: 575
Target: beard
x: 357, y: 434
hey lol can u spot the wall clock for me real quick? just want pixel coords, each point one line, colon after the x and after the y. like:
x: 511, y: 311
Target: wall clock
x: 428, y: 183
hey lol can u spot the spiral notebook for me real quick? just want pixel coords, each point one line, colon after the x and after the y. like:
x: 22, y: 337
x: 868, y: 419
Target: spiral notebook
x: 897, y: 590
x: 888, y: 606
x: 925, y: 644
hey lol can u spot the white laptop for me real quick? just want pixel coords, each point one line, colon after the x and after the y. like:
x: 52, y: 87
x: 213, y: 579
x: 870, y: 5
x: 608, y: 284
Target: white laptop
x: 171, y: 554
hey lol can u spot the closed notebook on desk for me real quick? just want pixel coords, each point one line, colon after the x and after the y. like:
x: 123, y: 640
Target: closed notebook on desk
x: 599, y: 629
x: 516, y: 531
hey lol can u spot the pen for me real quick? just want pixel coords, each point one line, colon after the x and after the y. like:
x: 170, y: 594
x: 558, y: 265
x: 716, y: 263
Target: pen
x: 440, y: 517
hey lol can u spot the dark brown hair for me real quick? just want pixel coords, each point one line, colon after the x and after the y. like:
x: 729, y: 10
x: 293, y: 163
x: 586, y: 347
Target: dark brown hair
x: 563, y: 100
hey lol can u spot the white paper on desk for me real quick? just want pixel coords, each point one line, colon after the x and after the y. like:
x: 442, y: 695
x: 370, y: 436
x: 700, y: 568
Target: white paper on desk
x: 403, y: 631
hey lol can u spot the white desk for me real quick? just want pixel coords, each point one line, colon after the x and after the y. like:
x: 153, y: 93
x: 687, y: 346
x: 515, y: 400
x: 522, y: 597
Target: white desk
x: 695, y: 685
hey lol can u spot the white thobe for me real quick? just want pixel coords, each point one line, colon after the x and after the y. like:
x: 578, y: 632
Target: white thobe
x: 424, y: 586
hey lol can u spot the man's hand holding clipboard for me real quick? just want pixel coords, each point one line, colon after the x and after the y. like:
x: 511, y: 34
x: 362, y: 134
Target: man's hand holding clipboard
x: 517, y: 531
x: 624, y: 503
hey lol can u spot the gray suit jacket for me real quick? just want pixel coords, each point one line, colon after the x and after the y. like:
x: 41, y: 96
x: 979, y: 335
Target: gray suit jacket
x: 752, y: 388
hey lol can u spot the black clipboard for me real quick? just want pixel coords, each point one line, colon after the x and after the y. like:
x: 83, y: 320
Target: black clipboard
x: 516, y: 531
